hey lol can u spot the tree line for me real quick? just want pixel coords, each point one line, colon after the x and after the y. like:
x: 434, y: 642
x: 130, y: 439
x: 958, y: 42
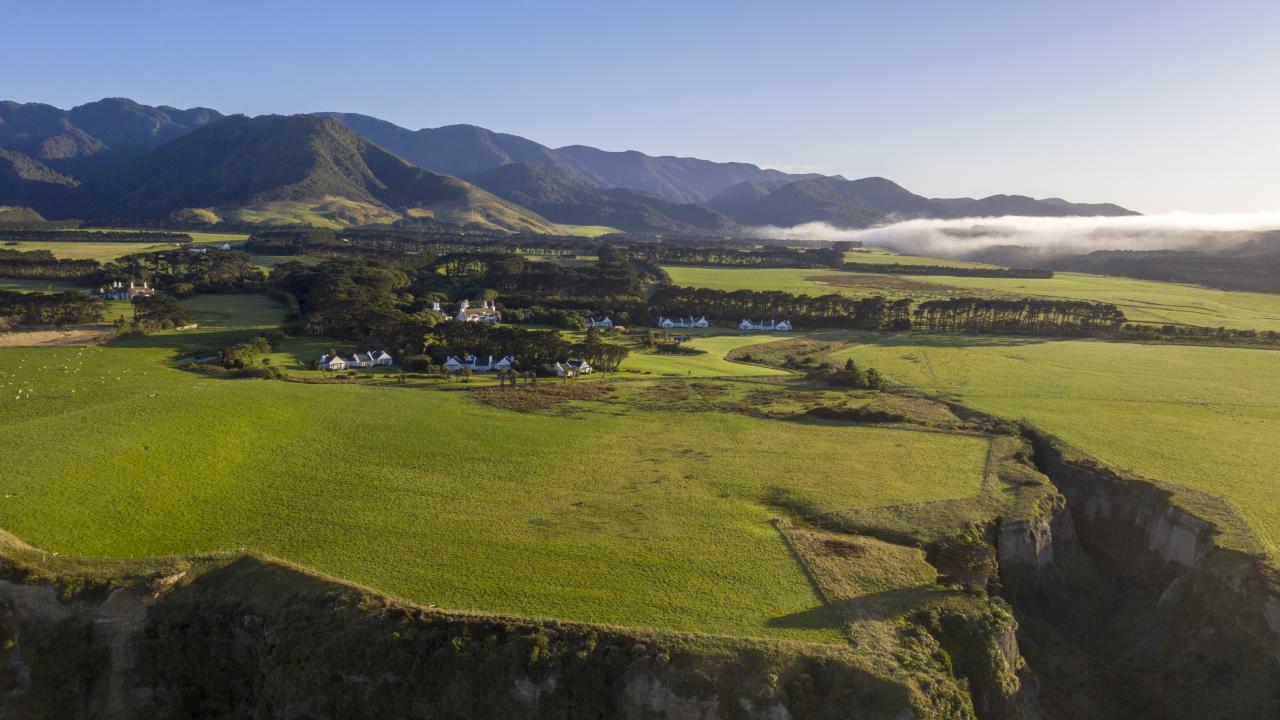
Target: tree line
x: 832, y: 310
x: 991, y: 272
x: 43, y: 265
x: 534, y: 350
x: 63, y: 308
x: 767, y: 257
x: 1027, y: 316
x: 183, y: 272
x: 97, y: 236
x: 1024, y: 316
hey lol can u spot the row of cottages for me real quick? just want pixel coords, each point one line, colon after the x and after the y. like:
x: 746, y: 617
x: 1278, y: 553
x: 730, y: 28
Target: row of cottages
x: 779, y: 326
x: 603, y: 322
x: 572, y: 367
x: 358, y: 360
x: 204, y: 249
x: 475, y: 364
x: 118, y: 291
x: 689, y: 322
x: 486, y: 313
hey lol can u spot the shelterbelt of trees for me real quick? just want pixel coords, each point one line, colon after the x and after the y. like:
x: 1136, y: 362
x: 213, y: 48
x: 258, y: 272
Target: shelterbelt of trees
x: 1028, y: 316
x: 97, y: 236
x: 386, y: 242
x: 42, y: 265
x: 182, y: 272
x: 64, y: 308
x: 768, y: 257
x: 179, y: 271
x: 898, y: 269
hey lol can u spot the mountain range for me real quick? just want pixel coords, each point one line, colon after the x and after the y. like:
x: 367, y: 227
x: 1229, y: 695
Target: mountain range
x: 119, y: 160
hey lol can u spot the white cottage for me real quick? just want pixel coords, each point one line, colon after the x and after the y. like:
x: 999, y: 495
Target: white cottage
x: 603, y: 322
x: 475, y: 364
x: 689, y: 322
x: 572, y: 368
x: 770, y: 325
x: 333, y: 362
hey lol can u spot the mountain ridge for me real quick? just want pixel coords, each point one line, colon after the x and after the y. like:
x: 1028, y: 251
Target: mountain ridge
x: 241, y: 161
x: 49, y: 151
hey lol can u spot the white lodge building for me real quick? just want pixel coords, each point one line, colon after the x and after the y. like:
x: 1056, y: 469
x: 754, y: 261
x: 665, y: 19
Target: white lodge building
x: 603, y: 322
x: 357, y: 360
x: 475, y: 364
x: 689, y: 322
x: 118, y: 291
x: 486, y: 313
x: 779, y: 326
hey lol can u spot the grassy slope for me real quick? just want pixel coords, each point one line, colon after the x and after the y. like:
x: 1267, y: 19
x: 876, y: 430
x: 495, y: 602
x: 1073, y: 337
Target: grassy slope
x: 439, y: 498
x: 589, y: 231
x: 1140, y: 299
x: 332, y: 212
x: 711, y: 364
x: 1207, y: 418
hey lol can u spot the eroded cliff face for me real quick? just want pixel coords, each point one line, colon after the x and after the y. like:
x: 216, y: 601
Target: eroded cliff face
x: 249, y: 637
x: 1130, y: 606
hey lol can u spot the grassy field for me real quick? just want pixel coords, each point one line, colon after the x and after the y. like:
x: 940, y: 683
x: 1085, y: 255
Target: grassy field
x: 235, y: 311
x: 196, y: 237
x: 100, y: 251
x: 107, y: 251
x: 1207, y: 418
x: 879, y: 256
x: 616, y: 514
x: 589, y: 231
x: 711, y: 364
x: 1141, y: 300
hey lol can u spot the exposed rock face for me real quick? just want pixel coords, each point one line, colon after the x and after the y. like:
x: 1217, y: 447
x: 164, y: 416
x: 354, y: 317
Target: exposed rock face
x: 1130, y: 606
x: 247, y: 637
x: 1029, y: 544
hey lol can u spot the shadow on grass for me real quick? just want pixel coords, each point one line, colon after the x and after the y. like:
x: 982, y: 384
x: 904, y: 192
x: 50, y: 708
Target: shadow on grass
x: 888, y: 604
x: 820, y: 617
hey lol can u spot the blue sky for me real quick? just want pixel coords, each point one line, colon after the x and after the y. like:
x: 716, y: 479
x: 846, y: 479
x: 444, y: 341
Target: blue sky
x: 1157, y: 105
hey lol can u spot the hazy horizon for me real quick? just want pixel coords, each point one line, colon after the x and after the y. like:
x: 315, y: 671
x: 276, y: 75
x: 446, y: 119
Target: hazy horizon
x: 1155, y: 106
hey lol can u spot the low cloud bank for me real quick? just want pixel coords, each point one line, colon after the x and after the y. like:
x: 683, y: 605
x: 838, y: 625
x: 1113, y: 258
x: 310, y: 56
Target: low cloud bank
x: 964, y: 237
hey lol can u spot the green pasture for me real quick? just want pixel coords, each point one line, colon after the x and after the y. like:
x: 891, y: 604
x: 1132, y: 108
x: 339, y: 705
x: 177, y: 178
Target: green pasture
x: 879, y: 256
x: 100, y: 251
x: 792, y: 280
x: 615, y: 514
x: 1203, y: 417
x: 1141, y: 300
x: 196, y: 237
x: 235, y: 311
x: 710, y: 364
